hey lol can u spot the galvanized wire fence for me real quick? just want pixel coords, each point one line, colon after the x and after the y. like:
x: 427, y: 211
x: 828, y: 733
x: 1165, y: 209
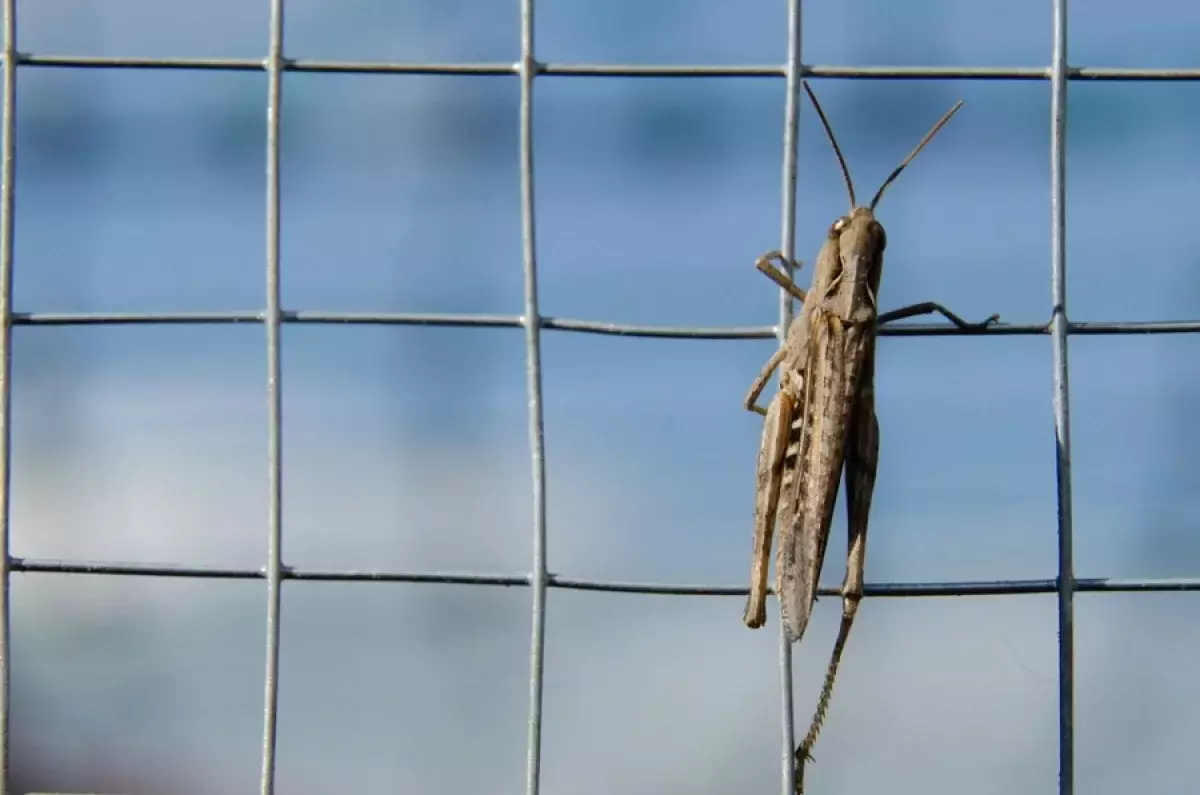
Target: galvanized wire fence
x: 1065, y: 585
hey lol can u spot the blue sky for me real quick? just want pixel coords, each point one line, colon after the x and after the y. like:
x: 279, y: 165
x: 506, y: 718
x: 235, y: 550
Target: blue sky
x: 144, y: 191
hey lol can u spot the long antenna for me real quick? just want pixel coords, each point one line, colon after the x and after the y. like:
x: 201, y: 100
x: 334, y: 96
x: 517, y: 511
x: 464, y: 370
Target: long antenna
x: 928, y: 136
x: 836, y: 149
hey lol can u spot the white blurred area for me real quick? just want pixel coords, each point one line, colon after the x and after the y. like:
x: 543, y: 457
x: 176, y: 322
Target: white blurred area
x: 423, y: 687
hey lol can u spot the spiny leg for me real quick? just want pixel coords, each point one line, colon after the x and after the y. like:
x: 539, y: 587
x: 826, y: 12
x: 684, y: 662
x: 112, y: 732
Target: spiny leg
x: 931, y: 308
x: 771, y: 454
x: 862, y: 457
x: 804, y: 750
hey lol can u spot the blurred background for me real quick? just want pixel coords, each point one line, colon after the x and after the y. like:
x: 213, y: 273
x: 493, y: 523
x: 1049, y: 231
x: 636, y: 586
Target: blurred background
x: 405, y: 448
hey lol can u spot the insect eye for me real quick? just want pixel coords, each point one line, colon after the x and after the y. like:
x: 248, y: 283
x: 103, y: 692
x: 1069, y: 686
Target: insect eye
x: 882, y: 235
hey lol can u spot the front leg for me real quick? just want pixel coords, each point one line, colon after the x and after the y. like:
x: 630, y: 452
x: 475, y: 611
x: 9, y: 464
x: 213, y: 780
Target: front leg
x: 777, y: 275
x: 930, y: 308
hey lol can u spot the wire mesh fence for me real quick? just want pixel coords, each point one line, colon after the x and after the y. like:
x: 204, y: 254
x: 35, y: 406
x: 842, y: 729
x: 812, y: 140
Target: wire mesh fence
x: 540, y: 580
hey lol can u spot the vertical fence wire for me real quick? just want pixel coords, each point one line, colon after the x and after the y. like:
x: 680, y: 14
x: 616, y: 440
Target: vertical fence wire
x: 8, y: 165
x: 791, y: 124
x: 271, y: 320
x: 1062, y: 404
x: 532, y: 321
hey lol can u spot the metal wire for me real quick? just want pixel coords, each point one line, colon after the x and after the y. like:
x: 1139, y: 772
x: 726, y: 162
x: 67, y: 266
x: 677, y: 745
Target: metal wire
x: 791, y: 145
x: 570, y: 324
x: 893, y: 589
x: 1062, y: 401
x: 613, y: 70
x: 271, y: 319
x: 533, y: 377
x: 539, y: 579
x: 8, y: 163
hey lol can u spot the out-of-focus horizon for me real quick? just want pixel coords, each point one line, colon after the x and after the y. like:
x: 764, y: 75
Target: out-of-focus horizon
x: 405, y: 448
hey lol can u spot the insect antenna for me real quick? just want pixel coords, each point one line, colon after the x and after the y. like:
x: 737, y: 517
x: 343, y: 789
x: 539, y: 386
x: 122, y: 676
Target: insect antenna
x: 836, y: 149
x: 928, y: 137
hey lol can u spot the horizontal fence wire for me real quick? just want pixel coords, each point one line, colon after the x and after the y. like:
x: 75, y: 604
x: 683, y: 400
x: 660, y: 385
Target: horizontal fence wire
x: 611, y: 70
x: 1064, y: 585
x: 314, y: 317
x: 520, y: 579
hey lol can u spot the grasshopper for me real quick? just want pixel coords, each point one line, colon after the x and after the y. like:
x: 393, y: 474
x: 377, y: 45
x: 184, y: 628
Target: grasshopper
x: 822, y: 420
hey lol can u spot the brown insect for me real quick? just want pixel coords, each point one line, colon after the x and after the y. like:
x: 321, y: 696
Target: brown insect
x: 822, y: 420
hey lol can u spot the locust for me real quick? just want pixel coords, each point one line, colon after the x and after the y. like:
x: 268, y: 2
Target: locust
x: 822, y: 421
